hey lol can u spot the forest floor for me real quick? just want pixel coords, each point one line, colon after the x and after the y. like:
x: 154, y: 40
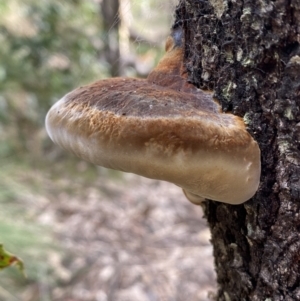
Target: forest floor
x: 88, y: 234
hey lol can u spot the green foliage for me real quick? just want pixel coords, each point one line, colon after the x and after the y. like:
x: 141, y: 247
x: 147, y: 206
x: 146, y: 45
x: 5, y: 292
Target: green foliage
x: 7, y: 259
x: 47, y: 49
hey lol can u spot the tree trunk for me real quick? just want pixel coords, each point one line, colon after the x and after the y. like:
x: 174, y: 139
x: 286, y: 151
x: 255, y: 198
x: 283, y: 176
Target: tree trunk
x: 247, y: 52
x: 111, y: 24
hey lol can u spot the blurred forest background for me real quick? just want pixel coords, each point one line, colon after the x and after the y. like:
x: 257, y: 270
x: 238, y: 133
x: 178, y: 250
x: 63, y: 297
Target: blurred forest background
x: 83, y: 232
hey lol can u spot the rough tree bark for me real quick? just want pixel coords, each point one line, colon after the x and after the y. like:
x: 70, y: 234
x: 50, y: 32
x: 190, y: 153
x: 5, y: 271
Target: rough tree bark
x: 247, y: 52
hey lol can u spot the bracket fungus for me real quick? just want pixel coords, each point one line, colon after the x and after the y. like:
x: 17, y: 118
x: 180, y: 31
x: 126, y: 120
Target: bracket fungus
x: 162, y: 128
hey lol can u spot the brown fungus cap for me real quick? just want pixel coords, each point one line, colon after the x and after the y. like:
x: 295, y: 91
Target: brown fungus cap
x: 161, y: 128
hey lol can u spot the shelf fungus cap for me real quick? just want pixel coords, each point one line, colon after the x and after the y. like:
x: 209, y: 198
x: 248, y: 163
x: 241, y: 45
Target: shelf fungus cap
x: 173, y: 132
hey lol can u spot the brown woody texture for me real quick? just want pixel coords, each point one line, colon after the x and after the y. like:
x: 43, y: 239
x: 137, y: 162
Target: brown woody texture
x: 248, y: 53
